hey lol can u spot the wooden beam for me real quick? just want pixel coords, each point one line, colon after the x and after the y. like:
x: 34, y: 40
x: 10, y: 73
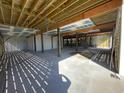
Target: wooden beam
x: 113, y: 4
x: 30, y: 14
x: 42, y: 43
x: 82, y: 10
x: 17, y: 9
x: 61, y: 3
x: 35, y: 43
x: 26, y: 1
x: 64, y: 8
x: 100, y: 26
x: 99, y: 33
x: 76, y: 41
x: 59, y: 42
x: 12, y: 11
x: 76, y: 14
x: 50, y: 4
x: 1, y: 8
x: 75, y: 1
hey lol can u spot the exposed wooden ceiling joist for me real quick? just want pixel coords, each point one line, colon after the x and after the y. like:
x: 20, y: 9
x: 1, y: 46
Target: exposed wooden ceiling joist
x: 49, y: 4
x: 75, y: 12
x: 23, y: 8
x: 58, y: 12
x: 12, y: 11
x: 37, y: 2
x: 66, y: 7
x: 57, y: 6
x: 1, y: 8
x: 113, y: 4
x: 81, y: 8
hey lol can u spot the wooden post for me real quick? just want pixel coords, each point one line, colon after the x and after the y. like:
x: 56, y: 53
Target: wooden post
x: 76, y: 41
x: 71, y: 42
x: 112, y: 50
x: 61, y: 38
x: 63, y: 42
x: 34, y: 43
x: 121, y: 29
x: 42, y: 44
x: 67, y: 42
x: 59, y: 42
x: 90, y: 41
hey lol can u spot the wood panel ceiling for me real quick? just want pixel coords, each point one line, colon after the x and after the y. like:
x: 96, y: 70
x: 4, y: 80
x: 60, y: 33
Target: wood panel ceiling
x: 39, y: 13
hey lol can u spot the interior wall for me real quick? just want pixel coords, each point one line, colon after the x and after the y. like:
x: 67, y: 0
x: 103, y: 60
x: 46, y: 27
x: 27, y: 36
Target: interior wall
x: 30, y: 43
x: 54, y: 42
x: 38, y: 43
x: 1, y: 45
x: 15, y: 44
x: 47, y: 42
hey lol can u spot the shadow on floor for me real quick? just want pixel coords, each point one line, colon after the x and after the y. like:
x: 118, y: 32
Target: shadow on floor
x: 58, y: 83
x: 28, y: 73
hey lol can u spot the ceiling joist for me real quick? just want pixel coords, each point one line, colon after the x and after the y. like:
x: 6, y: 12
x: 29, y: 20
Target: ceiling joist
x: 1, y: 8
x: 77, y: 11
x: 50, y: 4
x: 12, y: 11
x: 23, y: 8
x: 66, y: 7
x: 57, y: 6
x: 31, y: 12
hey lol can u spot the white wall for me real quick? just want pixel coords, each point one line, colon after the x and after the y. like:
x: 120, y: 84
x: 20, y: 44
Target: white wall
x: 54, y: 42
x: 30, y: 43
x: 47, y: 42
x: 38, y: 43
x: 15, y: 44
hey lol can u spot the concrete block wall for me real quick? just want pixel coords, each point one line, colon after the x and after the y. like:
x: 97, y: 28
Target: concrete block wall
x: 47, y: 43
x: 38, y: 43
x: 30, y: 43
x: 15, y: 44
x: 54, y: 42
x: 1, y: 45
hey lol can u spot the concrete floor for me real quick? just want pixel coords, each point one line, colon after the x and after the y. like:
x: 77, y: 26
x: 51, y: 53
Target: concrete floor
x: 80, y: 75
x: 70, y: 73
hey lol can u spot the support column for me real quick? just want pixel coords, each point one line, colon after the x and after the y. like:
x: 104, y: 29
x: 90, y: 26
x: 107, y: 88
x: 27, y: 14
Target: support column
x: 63, y: 42
x: 42, y: 44
x: 67, y: 42
x: 61, y: 38
x: 34, y: 43
x: 90, y: 41
x: 112, y: 50
x: 76, y: 41
x: 121, y: 64
x: 59, y: 42
x: 71, y: 42
x: 2, y: 48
